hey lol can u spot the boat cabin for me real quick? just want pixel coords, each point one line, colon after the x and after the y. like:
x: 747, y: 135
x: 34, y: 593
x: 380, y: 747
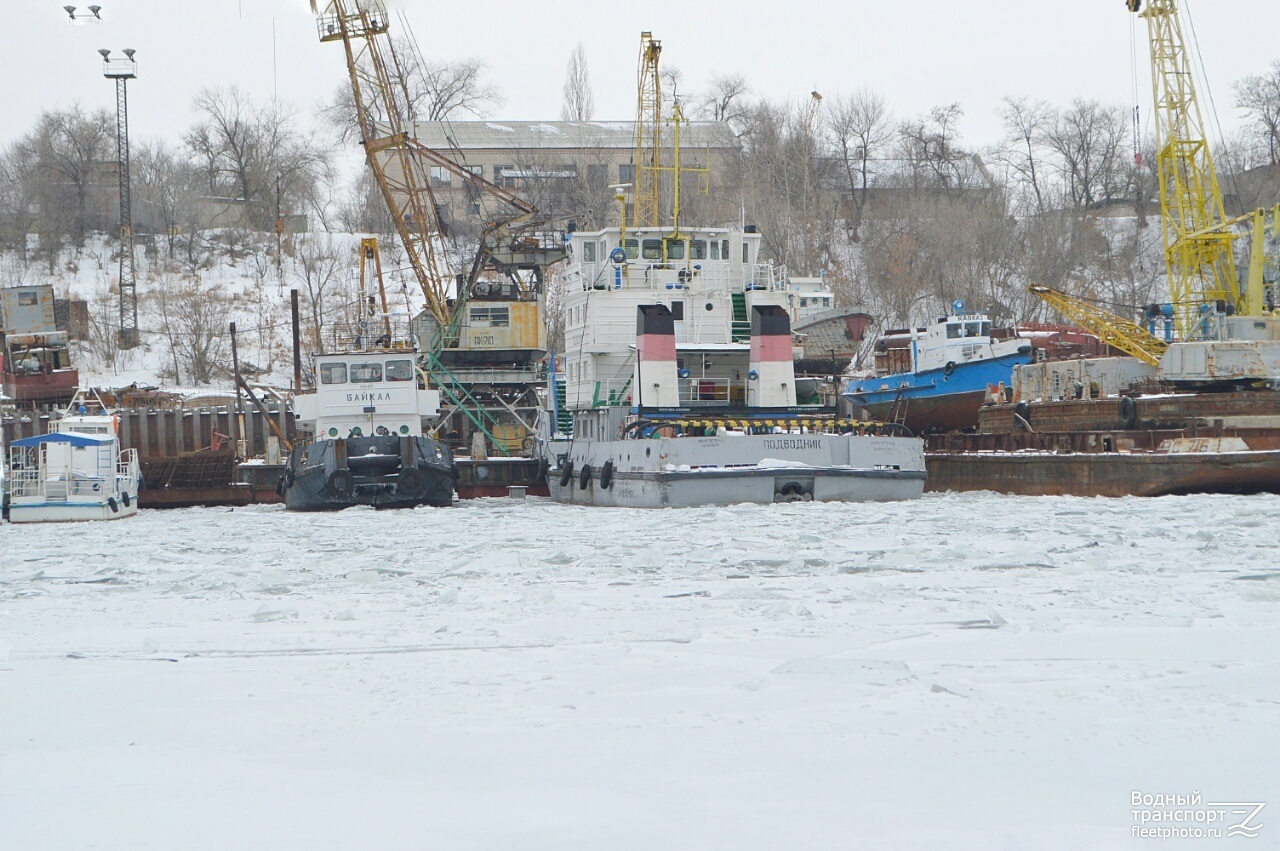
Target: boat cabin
x: 365, y: 393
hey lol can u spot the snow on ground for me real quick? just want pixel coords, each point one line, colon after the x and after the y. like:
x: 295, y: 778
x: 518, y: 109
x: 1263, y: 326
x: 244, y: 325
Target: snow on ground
x: 965, y: 671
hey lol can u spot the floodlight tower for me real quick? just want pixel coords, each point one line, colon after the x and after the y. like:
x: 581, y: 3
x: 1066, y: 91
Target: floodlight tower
x: 122, y: 70
x: 92, y: 16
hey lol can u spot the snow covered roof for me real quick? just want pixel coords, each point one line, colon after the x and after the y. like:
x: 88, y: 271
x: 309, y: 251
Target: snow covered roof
x: 522, y: 135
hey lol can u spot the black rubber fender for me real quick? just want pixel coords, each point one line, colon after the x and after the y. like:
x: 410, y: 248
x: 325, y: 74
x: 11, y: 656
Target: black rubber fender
x: 341, y: 482
x: 566, y: 474
x: 606, y: 475
x: 409, y: 480
x: 584, y: 478
x: 113, y: 505
x: 543, y: 466
x: 125, y: 497
x: 1128, y: 412
x: 949, y: 368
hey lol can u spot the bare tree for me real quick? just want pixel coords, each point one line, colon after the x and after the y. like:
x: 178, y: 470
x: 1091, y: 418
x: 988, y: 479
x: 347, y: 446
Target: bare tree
x: 1025, y: 124
x: 863, y: 129
x: 1259, y: 97
x: 672, y: 79
x: 928, y: 147
x: 1087, y: 143
x: 724, y: 99
x: 324, y: 271
x: 256, y: 154
x: 194, y: 315
x: 579, y: 104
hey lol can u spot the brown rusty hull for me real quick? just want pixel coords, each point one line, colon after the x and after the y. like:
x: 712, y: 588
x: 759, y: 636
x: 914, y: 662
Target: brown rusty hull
x: 492, y: 477
x: 42, y: 388
x: 229, y: 494
x: 1105, y: 473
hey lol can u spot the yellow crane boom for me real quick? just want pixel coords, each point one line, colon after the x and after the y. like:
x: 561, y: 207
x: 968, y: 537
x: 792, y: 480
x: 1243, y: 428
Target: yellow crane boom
x: 1129, y: 337
x: 1198, y: 241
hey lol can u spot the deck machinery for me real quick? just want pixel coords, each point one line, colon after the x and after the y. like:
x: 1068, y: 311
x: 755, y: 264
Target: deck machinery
x: 482, y: 336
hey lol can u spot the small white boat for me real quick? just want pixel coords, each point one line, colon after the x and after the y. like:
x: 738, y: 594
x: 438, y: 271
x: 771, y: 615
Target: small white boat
x: 75, y: 473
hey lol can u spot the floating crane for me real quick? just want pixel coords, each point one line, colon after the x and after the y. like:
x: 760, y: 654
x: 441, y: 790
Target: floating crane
x: 1199, y: 240
x: 482, y: 340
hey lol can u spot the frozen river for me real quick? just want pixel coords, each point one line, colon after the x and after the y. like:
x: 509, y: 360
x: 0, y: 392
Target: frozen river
x: 972, y: 671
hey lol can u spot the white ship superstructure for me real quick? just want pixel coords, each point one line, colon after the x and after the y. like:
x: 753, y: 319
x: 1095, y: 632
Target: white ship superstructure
x: 679, y: 387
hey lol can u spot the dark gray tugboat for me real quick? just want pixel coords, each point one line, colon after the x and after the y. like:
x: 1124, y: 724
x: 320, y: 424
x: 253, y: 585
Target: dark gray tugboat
x: 367, y: 415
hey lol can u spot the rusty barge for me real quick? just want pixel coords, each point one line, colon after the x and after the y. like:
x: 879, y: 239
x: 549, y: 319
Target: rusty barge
x: 1151, y: 445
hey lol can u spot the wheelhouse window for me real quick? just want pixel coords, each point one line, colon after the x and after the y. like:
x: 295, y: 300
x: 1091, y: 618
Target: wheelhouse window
x: 953, y: 330
x: 632, y: 248
x: 651, y: 249
x: 366, y: 373
x: 972, y: 329
x: 675, y: 249
x: 588, y: 252
x: 715, y: 250
x: 399, y: 370
x: 333, y: 373
x: 491, y: 317
x: 698, y: 249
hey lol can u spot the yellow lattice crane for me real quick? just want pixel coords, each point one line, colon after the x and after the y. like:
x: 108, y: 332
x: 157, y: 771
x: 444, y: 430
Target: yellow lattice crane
x: 648, y: 156
x: 1198, y: 236
x: 1129, y: 337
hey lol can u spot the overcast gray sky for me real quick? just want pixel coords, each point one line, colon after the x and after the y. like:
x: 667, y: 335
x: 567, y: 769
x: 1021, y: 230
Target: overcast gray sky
x: 917, y: 54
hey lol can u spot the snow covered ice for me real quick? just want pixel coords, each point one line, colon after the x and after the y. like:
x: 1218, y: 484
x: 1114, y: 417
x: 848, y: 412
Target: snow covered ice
x: 964, y: 671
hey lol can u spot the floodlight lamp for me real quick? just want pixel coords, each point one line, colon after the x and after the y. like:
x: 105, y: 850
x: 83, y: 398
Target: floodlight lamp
x: 129, y: 51
x: 104, y: 52
x: 95, y: 10
x: 70, y: 10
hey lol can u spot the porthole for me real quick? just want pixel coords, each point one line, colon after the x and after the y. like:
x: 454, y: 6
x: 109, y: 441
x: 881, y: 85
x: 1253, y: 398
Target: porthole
x: 710, y: 306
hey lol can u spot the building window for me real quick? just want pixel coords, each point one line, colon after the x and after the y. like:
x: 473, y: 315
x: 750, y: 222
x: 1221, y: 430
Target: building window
x: 597, y: 175
x: 440, y: 174
x: 27, y: 298
x: 624, y: 173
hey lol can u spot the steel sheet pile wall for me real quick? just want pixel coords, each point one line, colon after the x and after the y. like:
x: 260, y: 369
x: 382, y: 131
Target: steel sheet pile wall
x: 161, y: 434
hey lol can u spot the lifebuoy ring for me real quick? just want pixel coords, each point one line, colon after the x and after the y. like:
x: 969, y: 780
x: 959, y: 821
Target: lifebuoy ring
x: 1128, y: 412
x: 950, y: 368
x: 584, y: 478
x: 341, y: 482
x: 566, y: 474
x: 111, y: 503
x: 409, y: 481
x: 606, y: 475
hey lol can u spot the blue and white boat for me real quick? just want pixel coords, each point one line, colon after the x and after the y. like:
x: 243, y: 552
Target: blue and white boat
x: 936, y: 378
x: 77, y: 472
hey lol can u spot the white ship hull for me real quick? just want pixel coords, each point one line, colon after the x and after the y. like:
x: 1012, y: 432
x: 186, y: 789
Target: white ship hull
x: 685, y: 472
x: 69, y: 512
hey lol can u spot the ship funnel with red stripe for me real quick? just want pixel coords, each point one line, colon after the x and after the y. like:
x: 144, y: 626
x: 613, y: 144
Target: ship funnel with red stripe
x: 772, y: 379
x: 656, y: 375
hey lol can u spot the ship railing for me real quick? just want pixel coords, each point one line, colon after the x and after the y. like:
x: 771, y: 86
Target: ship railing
x: 639, y: 275
x: 706, y: 392
x: 371, y: 335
